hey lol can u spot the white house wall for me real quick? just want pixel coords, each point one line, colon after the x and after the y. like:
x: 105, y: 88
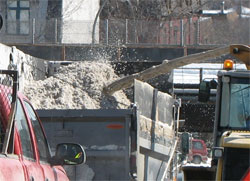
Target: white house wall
x: 78, y: 17
x: 40, y: 19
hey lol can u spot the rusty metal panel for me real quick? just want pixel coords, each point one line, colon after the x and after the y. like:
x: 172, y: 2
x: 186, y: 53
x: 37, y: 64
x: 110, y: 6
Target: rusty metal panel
x: 155, y: 131
x: 149, y: 100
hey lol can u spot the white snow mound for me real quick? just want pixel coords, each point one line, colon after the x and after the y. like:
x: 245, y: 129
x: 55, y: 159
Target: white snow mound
x: 76, y: 86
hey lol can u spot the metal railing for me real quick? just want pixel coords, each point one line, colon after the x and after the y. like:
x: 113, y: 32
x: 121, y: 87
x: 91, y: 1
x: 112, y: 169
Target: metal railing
x: 188, y: 31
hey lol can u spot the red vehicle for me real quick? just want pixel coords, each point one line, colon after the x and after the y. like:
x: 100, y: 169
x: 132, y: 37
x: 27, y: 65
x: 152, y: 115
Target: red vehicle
x: 198, y: 153
x: 25, y: 153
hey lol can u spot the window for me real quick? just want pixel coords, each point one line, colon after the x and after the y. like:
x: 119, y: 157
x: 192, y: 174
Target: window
x: 240, y: 112
x: 40, y: 138
x: 18, y: 17
x: 23, y: 129
x: 235, y: 107
x: 197, y: 145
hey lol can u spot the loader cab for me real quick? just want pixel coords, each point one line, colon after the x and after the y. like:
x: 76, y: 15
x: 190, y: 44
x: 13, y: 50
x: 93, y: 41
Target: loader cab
x: 233, y: 97
x: 232, y: 125
x: 232, y: 100
x: 232, y: 120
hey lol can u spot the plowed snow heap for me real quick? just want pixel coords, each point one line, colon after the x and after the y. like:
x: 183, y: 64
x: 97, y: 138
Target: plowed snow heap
x: 76, y: 86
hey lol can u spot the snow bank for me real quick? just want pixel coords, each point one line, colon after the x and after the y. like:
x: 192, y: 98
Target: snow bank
x: 76, y: 86
x: 202, y: 164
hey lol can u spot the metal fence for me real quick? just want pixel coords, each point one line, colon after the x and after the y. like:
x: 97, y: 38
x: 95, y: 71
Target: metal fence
x: 187, y: 31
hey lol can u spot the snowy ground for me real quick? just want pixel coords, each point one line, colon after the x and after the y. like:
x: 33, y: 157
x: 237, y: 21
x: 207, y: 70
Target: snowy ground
x: 202, y: 164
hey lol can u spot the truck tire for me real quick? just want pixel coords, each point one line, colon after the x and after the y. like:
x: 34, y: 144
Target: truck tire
x: 196, y: 160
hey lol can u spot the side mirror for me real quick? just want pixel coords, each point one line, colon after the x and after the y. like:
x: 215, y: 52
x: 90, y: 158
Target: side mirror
x: 69, y: 154
x: 204, y: 91
x: 217, y: 152
x: 185, y: 143
x: 213, y: 84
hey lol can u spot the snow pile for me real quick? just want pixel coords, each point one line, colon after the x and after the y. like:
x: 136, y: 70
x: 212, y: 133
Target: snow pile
x: 202, y: 164
x: 76, y: 86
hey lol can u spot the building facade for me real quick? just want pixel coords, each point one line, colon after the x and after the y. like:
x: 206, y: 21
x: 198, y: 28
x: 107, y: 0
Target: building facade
x: 47, y: 21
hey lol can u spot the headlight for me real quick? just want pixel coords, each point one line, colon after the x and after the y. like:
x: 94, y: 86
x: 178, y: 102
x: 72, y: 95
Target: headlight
x: 218, y: 152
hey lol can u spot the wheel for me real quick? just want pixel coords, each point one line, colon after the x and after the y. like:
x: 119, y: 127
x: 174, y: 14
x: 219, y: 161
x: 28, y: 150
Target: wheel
x: 196, y: 160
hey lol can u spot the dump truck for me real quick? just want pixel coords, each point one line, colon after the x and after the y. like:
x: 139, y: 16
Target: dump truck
x: 137, y: 143
x: 231, y: 145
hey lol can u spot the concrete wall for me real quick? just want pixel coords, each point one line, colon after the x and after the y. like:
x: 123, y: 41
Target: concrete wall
x: 29, y: 68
